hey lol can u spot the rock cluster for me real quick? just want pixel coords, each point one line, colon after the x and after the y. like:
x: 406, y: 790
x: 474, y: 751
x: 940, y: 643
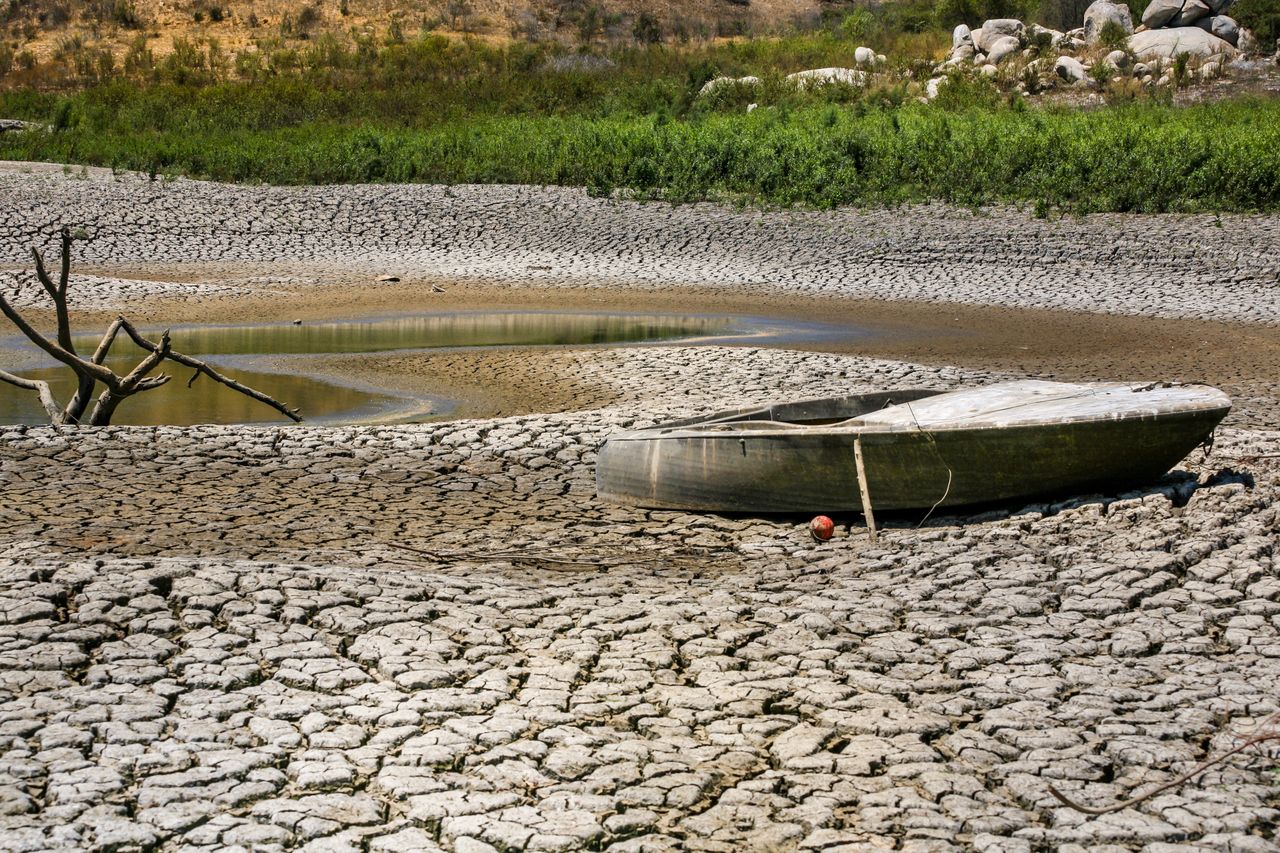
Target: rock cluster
x: 1171, y: 25
x: 994, y: 42
x: 1170, y: 28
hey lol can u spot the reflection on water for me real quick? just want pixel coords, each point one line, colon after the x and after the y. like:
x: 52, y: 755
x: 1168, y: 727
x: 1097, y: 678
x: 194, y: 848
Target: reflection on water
x: 439, y: 330
x: 208, y: 402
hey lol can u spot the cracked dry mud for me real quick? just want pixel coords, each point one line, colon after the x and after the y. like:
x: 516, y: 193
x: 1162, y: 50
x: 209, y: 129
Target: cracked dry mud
x: 434, y: 637
x: 212, y: 638
x: 252, y: 238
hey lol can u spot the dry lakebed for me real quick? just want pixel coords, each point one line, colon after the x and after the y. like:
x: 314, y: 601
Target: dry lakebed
x: 431, y: 636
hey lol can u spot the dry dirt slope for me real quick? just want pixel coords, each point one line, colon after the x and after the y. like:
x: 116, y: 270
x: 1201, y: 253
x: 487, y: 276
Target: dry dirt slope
x: 43, y: 27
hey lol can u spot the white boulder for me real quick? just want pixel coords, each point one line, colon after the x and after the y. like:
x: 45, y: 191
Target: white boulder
x: 998, y: 28
x: 1054, y: 35
x: 1118, y: 59
x: 827, y: 76
x: 988, y: 71
x: 717, y: 83
x: 1070, y: 69
x: 1223, y: 27
x: 1160, y: 12
x: 1192, y: 11
x: 1210, y: 70
x: 960, y: 53
x: 931, y: 88
x: 1171, y: 42
x: 1102, y: 12
x: 1002, y: 49
x: 864, y: 56
x: 961, y: 35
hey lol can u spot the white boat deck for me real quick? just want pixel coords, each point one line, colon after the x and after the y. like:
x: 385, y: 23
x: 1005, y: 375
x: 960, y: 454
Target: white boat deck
x: 1033, y: 401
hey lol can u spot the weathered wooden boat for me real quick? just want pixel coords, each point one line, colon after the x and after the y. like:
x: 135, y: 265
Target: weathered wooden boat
x: 920, y: 448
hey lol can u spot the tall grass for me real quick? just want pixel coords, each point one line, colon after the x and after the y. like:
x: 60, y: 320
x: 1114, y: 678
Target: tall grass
x: 1139, y: 157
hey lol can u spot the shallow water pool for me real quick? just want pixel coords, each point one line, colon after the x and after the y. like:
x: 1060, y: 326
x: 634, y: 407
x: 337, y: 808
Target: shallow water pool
x: 240, y: 351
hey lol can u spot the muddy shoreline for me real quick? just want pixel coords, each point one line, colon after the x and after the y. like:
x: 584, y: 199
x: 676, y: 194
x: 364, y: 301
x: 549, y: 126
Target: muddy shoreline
x: 1241, y: 359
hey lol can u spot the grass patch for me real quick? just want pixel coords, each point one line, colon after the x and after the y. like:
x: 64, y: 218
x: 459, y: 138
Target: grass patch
x: 1142, y: 157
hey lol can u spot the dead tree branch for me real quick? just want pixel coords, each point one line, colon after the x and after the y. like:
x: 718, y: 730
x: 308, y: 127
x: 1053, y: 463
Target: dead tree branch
x: 41, y: 388
x: 200, y: 367
x: 58, y: 293
x: 89, y: 372
x: 1214, y: 760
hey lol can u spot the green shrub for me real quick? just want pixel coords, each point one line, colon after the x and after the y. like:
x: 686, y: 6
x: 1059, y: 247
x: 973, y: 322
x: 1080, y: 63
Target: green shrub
x: 948, y: 13
x: 646, y: 29
x: 1040, y: 41
x: 964, y: 92
x: 1181, y: 69
x: 1262, y: 17
x: 1102, y: 71
x: 858, y: 25
x: 1113, y: 36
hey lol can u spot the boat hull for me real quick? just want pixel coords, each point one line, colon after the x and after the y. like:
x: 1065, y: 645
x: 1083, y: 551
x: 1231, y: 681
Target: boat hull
x: 814, y: 470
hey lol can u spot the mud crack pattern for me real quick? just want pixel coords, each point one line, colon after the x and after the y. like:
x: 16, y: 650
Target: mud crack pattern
x: 212, y: 638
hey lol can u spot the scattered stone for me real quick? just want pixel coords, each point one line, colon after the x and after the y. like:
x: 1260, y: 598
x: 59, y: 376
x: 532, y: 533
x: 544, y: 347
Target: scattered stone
x: 1070, y: 69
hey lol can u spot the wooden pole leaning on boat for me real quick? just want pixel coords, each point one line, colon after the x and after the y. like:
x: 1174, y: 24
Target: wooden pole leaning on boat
x: 863, y: 491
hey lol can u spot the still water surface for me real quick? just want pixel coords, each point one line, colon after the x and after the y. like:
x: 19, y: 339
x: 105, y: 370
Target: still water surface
x: 231, y: 349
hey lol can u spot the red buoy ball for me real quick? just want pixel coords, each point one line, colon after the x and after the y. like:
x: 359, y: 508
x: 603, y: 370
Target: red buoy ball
x: 821, y: 528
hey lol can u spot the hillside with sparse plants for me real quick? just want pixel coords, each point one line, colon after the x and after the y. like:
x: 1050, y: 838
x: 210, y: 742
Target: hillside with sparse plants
x: 808, y: 116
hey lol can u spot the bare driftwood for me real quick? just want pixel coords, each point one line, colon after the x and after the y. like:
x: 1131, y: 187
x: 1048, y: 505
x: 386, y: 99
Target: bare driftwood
x: 1268, y: 732
x: 91, y: 372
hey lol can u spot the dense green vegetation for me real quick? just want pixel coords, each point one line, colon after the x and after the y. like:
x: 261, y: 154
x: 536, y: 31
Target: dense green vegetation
x: 441, y: 110
x: 1260, y: 16
x: 1140, y: 157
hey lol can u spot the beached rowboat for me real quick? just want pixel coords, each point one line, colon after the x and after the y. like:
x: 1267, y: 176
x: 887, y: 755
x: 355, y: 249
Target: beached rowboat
x: 1000, y: 442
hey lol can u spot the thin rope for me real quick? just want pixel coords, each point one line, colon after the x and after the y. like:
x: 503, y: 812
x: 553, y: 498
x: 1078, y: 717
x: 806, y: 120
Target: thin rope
x: 934, y: 444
